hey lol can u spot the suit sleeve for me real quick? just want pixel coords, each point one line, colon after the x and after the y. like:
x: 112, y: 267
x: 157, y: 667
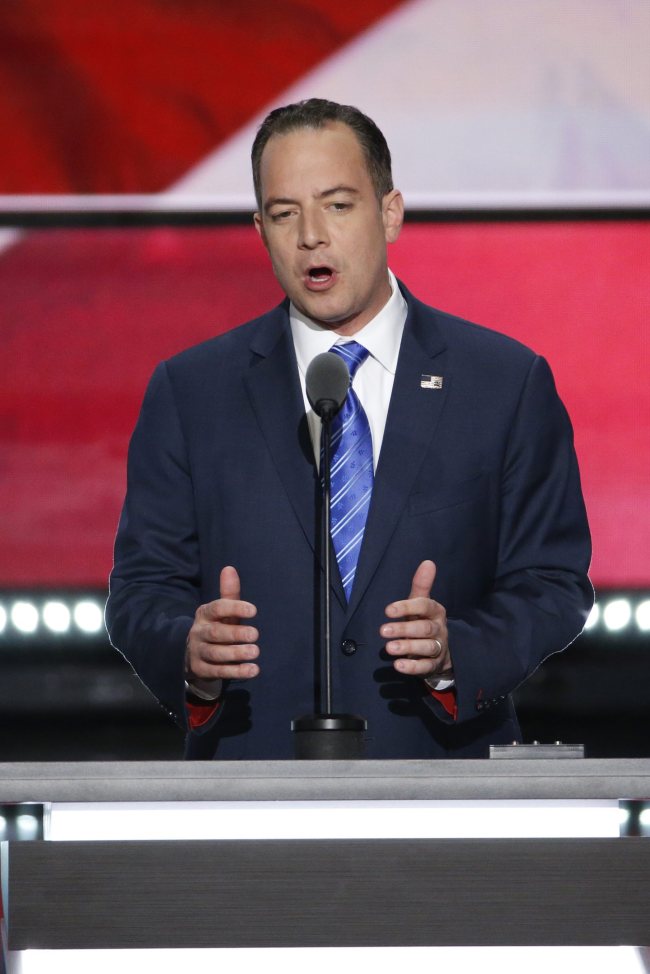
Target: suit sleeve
x: 154, y: 585
x: 541, y: 595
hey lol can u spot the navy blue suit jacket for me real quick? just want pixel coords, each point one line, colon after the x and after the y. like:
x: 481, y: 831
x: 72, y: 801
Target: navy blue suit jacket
x: 479, y: 475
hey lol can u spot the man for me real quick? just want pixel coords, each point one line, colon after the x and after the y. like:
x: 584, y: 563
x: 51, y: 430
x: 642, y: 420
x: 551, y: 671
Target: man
x: 471, y: 565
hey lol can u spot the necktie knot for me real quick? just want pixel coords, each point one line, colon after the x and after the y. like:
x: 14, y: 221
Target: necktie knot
x: 352, y: 354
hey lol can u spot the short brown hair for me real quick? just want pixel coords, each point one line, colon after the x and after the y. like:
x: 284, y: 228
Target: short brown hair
x: 316, y: 113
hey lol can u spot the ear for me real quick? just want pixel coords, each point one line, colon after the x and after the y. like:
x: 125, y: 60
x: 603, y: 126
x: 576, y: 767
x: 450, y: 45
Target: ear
x: 259, y: 226
x: 392, y: 214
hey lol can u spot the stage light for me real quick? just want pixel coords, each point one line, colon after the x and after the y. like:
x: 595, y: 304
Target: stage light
x: 88, y: 616
x: 643, y: 615
x: 27, y: 826
x: 644, y: 821
x: 593, y: 617
x: 24, y: 616
x: 81, y: 615
x: 56, y: 616
x: 3, y: 825
x: 617, y: 614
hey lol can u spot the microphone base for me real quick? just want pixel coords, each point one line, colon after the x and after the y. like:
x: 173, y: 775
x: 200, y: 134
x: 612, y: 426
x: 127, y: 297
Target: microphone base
x: 329, y: 737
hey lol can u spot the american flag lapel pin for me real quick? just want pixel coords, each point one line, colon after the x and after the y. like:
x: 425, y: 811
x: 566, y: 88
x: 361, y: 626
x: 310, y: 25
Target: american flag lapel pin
x: 431, y: 382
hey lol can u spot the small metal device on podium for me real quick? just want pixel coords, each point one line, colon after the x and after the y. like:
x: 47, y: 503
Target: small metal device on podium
x: 556, y: 751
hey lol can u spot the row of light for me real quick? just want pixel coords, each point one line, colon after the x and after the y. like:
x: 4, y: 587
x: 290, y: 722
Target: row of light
x: 619, y: 614
x: 86, y: 616
x: 56, y: 616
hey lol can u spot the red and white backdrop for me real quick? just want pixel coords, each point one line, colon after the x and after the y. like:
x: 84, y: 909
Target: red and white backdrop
x: 485, y: 104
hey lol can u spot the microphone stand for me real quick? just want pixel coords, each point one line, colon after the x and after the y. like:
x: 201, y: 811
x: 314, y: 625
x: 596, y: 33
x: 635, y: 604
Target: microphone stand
x: 328, y: 736
x: 327, y: 552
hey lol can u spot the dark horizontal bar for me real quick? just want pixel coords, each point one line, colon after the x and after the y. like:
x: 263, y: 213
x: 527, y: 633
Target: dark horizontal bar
x: 325, y: 893
x: 57, y: 219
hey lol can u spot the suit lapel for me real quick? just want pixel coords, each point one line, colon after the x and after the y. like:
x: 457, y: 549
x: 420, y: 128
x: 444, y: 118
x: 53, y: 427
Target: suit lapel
x: 413, y: 415
x: 274, y: 389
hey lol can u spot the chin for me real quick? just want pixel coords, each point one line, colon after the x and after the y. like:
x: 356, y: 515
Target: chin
x: 323, y: 313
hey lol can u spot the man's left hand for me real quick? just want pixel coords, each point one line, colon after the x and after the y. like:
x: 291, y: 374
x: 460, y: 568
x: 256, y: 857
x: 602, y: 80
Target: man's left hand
x: 417, y: 630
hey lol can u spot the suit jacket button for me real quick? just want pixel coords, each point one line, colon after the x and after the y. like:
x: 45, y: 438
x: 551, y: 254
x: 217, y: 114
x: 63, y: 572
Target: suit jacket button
x: 348, y: 647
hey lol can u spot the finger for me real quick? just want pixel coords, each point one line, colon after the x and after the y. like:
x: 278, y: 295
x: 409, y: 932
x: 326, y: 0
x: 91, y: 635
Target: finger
x: 425, y: 576
x: 229, y: 585
x: 226, y: 671
x: 230, y: 592
x: 217, y: 654
x: 226, y: 633
x: 418, y: 602
x: 242, y: 671
x: 422, y: 627
x: 222, y: 609
x: 416, y: 667
x: 419, y: 608
x: 207, y: 660
x: 425, y: 648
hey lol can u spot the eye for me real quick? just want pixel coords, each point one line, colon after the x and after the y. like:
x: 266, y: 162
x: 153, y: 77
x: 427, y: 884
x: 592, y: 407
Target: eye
x: 281, y: 215
x: 339, y: 207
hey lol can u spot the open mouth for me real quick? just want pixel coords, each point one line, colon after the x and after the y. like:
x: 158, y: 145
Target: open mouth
x: 320, y: 274
x: 320, y: 277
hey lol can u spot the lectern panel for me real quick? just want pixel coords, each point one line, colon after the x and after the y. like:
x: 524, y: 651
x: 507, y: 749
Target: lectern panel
x: 329, y: 893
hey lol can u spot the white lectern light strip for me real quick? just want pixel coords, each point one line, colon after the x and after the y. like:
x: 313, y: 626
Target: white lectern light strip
x: 333, y: 820
x: 297, y: 960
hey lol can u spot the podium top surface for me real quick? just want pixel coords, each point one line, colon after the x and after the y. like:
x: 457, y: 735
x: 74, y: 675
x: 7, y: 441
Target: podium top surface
x: 165, y: 781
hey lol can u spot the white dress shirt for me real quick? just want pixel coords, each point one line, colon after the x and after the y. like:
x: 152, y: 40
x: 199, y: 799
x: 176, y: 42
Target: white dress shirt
x: 373, y: 381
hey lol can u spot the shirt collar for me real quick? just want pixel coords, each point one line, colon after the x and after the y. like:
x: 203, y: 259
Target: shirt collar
x: 381, y: 336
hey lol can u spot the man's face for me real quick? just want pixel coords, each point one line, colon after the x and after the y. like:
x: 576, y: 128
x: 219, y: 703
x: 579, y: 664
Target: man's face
x: 324, y: 229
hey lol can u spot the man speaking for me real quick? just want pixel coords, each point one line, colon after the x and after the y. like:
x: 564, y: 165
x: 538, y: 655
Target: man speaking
x: 459, y: 535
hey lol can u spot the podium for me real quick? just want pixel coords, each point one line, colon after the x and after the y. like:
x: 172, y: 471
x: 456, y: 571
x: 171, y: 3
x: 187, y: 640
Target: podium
x: 277, y: 856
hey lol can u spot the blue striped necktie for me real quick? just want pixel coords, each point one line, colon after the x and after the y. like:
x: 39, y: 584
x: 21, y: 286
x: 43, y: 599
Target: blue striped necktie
x: 351, y: 471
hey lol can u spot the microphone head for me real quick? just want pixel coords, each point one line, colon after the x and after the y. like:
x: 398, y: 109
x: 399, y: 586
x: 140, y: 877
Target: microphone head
x: 327, y: 381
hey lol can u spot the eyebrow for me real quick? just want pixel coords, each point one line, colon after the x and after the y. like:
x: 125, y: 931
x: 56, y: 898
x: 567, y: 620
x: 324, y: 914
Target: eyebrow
x: 287, y: 201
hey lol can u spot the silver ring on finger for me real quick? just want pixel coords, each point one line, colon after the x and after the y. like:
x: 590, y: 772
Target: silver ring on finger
x: 439, y: 646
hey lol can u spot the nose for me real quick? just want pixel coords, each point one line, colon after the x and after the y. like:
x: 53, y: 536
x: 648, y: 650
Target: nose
x: 312, y: 231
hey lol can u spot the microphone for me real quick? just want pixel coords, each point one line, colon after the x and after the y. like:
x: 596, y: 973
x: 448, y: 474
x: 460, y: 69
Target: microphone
x: 327, y: 381
x: 327, y: 735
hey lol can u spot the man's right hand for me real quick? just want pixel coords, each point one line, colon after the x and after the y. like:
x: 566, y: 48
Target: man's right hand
x: 220, y: 645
